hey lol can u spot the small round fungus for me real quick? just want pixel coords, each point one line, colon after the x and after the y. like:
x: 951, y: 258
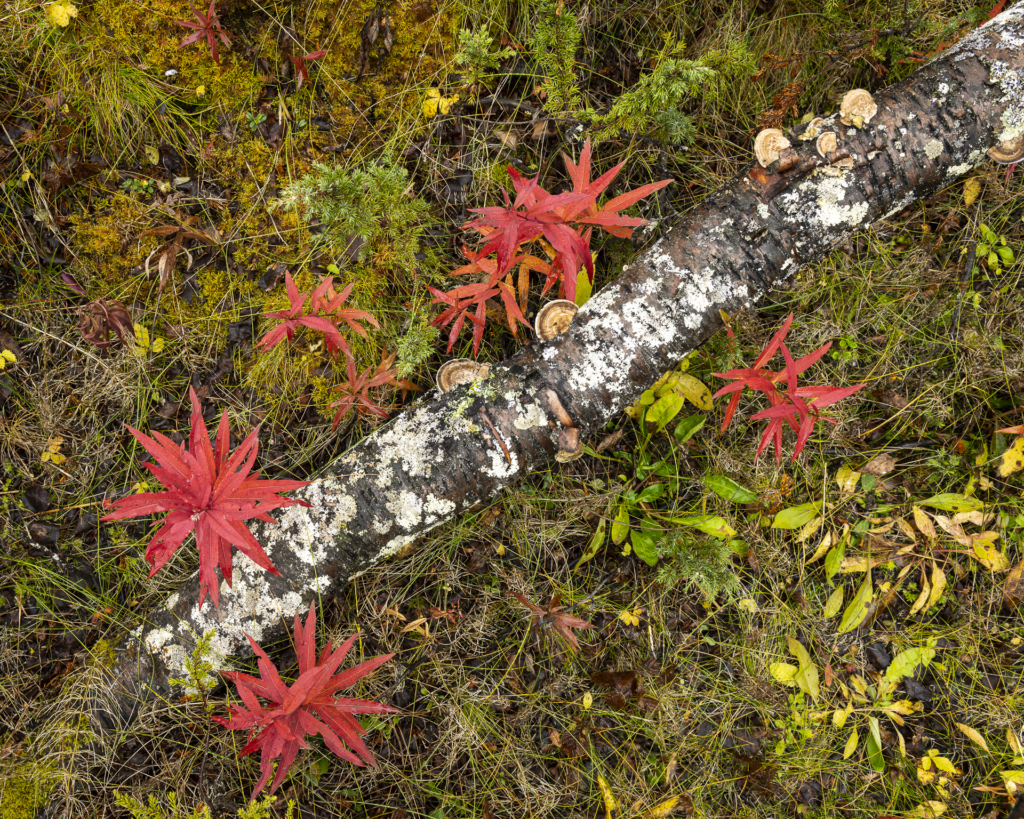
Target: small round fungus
x: 554, y: 318
x: 570, y: 445
x: 827, y: 144
x: 857, y: 108
x: 460, y: 371
x: 1009, y: 152
x: 768, y: 144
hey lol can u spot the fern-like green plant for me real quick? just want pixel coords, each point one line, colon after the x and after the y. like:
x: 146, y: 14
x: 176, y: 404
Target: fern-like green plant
x: 702, y: 563
x: 554, y: 45
x: 366, y: 212
x: 654, y: 106
x: 479, y: 56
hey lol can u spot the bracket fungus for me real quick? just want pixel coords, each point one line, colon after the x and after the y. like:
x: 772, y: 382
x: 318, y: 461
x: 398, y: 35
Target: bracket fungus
x: 768, y: 145
x: 460, y: 371
x: 813, y: 129
x: 554, y: 318
x: 827, y: 144
x: 857, y: 108
x: 1009, y: 152
x: 570, y: 445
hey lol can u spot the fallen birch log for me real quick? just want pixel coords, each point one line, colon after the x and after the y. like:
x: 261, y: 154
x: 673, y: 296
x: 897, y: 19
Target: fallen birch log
x: 458, y: 449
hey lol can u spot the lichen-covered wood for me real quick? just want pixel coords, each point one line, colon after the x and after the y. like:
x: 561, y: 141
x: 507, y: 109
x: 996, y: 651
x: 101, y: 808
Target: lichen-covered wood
x: 454, y: 450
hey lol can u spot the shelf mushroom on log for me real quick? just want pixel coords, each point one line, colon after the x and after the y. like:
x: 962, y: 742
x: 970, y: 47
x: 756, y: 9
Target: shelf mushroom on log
x: 452, y: 451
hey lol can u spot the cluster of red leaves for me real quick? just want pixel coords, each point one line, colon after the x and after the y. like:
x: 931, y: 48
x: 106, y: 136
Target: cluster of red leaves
x: 797, y: 406
x: 207, y: 26
x: 305, y: 708
x: 326, y: 311
x: 207, y: 492
x: 554, y: 617
x: 564, y: 221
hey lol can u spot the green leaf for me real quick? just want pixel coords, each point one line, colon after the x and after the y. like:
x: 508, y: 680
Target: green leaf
x: 906, y: 662
x: 596, y: 542
x: 859, y: 607
x: 664, y: 410
x: 874, y: 745
x: 620, y: 526
x: 583, y: 287
x: 646, y: 398
x: 651, y: 493
x: 784, y: 673
x: 834, y: 559
x: 796, y: 516
x: 728, y: 488
x: 807, y: 676
x: 644, y: 546
x: 952, y: 502
x: 834, y: 604
x: 687, y: 428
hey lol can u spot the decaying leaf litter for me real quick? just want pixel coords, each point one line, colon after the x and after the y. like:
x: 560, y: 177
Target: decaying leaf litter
x: 682, y: 662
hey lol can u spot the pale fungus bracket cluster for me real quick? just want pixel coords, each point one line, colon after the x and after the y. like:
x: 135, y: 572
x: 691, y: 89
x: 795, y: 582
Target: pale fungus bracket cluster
x: 857, y: 108
x: 769, y: 145
x: 1009, y: 152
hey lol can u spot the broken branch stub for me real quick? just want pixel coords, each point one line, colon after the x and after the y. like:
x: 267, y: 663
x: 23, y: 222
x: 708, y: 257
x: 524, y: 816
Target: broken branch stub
x: 454, y: 450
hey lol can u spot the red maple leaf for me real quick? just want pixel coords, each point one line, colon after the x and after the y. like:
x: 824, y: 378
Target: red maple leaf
x: 325, y: 313
x: 356, y: 391
x: 305, y: 708
x: 209, y: 493
x: 208, y: 26
x: 300, y: 65
x: 554, y: 617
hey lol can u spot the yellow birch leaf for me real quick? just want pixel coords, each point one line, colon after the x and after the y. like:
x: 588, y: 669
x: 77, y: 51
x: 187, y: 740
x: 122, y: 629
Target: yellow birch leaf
x: 588, y: 700
x: 923, y: 523
x: 972, y: 187
x: 938, y: 586
x: 927, y: 810
x: 662, y: 808
x: 973, y: 736
x: 611, y: 804
x: 1013, y: 459
x: 847, y: 480
x: 693, y: 391
x: 987, y: 554
x: 784, y: 673
x: 60, y: 13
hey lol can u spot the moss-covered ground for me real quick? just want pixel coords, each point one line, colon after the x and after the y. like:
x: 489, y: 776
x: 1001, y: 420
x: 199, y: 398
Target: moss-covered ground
x: 735, y: 679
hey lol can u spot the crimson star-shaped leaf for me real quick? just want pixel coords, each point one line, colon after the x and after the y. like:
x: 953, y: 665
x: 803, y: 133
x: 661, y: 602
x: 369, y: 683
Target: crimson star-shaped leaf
x: 207, y: 492
x: 307, y: 707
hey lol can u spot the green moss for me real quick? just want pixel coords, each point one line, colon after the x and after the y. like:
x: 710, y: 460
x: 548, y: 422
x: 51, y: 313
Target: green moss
x: 107, y: 242
x: 24, y: 790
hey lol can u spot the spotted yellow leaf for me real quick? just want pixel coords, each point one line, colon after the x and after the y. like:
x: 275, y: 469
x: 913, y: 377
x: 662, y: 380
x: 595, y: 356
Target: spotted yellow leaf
x: 972, y: 187
x: 1013, y: 459
x: 435, y: 104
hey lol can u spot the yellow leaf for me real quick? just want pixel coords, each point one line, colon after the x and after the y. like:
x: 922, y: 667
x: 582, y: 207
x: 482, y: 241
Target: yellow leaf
x: 973, y: 736
x: 784, y: 673
x: 57, y: 458
x: 583, y: 287
x: 1012, y: 741
x: 435, y: 103
x: 922, y: 598
x: 938, y: 586
x: 588, y: 700
x: 1013, y: 459
x: 841, y: 715
x: 851, y: 745
x: 822, y: 550
x: 692, y: 390
x: 987, y: 554
x: 923, y: 523
x: 1016, y: 777
x: 834, y: 604
x: 152, y: 154
x: 972, y: 187
x: 860, y: 607
x: 807, y: 675
x: 662, y: 808
x: 927, y: 810
x: 611, y: 805
x: 847, y: 480
x: 945, y: 765
x: 60, y: 13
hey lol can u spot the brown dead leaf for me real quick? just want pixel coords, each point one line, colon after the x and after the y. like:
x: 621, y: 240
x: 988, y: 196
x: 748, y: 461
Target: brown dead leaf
x: 879, y: 465
x: 610, y: 440
x: 1013, y: 586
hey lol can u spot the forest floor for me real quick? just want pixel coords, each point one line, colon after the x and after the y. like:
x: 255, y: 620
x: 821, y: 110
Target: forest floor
x: 853, y: 646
